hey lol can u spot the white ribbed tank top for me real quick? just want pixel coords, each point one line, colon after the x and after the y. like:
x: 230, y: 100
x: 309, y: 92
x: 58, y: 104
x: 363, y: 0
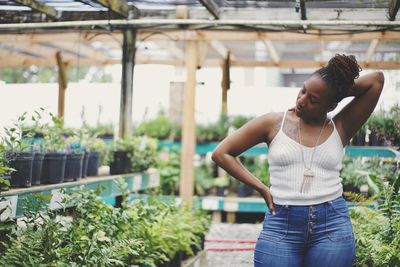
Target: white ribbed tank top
x: 286, y: 169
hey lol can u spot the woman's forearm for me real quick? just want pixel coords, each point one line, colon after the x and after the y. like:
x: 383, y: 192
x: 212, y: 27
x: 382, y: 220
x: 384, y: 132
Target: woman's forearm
x: 234, y: 167
x: 365, y: 83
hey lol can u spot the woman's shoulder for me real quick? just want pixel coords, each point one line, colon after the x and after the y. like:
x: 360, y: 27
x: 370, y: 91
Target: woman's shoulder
x: 272, y: 116
x: 270, y: 122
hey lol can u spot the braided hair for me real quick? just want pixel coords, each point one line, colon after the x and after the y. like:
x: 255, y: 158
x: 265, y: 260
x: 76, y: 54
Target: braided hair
x: 339, y: 74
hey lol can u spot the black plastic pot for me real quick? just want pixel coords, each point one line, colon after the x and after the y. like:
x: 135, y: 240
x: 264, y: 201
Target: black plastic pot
x: 37, y: 168
x: 73, y: 167
x: 22, y: 163
x: 106, y: 136
x: 85, y: 164
x: 176, y: 261
x: 358, y: 140
x: 4, y: 187
x: 120, y: 163
x: 221, y: 191
x: 53, y: 168
x: 93, y: 163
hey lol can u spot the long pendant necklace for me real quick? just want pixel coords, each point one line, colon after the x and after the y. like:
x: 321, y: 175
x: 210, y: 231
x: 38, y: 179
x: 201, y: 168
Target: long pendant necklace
x: 308, y: 174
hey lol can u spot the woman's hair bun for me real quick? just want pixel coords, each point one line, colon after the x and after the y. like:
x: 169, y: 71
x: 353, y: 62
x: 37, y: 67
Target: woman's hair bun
x: 340, y: 74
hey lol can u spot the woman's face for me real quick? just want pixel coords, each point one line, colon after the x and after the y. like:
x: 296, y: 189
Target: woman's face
x: 315, y: 99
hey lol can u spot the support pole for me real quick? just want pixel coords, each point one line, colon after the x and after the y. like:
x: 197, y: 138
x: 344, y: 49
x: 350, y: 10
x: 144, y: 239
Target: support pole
x: 225, y: 84
x: 62, y: 85
x: 128, y: 65
x: 186, y: 187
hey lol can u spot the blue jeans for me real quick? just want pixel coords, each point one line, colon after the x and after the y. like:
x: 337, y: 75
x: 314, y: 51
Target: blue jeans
x: 318, y: 235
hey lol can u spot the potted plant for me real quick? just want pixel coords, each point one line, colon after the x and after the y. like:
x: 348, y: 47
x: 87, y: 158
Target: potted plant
x: 143, y: 153
x: 19, y: 153
x: 120, y: 163
x: 96, y: 147
x: 221, y: 183
x: 5, y: 170
x: 377, y: 129
x: 74, y: 159
x: 36, y: 131
x: 160, y: 127
x: 359, y: 137
x: 53, y: 169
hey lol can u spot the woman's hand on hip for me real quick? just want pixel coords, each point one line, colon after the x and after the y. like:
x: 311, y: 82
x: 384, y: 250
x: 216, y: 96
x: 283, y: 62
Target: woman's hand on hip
x: 266, y: 194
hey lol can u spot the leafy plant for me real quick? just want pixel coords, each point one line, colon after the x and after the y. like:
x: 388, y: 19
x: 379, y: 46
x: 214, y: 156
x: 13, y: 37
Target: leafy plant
x: 377, y: 230
x: 142, y: 151
x: 4, y: 168
x: 239, y: 121
x: 222, y: 181
x: 169, y: 164
x: 160, y: 127
x: 54, y: 139
x: 15, y: 139
x: 214, y: 131
x: 145, y: 232
x: 203, y: 178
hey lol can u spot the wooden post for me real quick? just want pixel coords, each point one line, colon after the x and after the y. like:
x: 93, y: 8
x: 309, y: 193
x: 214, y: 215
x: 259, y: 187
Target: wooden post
x: 225, y: 84
x: 62, y: 85
x: 186, y: 187
x: 128, y: 65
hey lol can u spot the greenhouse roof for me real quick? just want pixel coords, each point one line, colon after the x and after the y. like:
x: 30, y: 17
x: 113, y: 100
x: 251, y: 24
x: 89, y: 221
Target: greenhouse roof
x: 293, y: 34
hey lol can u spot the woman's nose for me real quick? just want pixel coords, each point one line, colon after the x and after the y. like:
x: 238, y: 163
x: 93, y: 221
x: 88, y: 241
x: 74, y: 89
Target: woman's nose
x: 301, y: 101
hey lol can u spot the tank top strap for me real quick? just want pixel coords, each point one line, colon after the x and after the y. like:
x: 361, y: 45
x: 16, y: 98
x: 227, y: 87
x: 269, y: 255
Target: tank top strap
x: 283, y: 120
x: 333, y: 123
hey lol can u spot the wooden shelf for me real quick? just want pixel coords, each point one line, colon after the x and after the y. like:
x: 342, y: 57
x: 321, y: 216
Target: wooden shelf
x: 16, y: 199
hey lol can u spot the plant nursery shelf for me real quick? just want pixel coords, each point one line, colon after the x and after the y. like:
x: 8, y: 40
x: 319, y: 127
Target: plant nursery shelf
x: 15, y: 199
x: 354, y: 151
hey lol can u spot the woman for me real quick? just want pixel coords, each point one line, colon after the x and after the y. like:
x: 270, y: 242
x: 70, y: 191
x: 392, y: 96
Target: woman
x: 308, y: 222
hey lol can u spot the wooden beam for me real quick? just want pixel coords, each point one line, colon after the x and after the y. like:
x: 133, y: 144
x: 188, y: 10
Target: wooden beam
x: 115, y: 38
x: 186, y: 186
x: 119, y: 7
x: 82, y: 50
x: 272, y: 51
x: 371, y: 51
x: 175, y: 50
x: 212, y: 7
x: 311, y: 35
x: 33, y: 4
x: 311, y: 64
x: 62, y: 85
x: 128, y: 65
x: 202, y: 51
x: 393, y: 9
x: 220, y: 48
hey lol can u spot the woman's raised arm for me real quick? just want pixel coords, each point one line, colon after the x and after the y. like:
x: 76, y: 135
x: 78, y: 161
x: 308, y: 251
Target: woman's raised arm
x: 366, y: 92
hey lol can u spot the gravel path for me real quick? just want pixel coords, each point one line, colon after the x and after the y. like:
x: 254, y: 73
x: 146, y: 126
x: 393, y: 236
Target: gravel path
x: 231, y: 231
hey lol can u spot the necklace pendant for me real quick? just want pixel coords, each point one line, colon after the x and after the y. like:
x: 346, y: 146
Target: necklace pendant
x: 307, y: 179
x: 308, y: 173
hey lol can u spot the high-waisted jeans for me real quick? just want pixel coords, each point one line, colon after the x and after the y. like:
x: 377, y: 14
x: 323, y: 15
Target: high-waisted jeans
x: 318, y: 235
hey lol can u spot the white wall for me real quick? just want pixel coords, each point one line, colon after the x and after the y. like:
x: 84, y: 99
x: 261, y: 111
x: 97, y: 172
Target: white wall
x: 151, y: 92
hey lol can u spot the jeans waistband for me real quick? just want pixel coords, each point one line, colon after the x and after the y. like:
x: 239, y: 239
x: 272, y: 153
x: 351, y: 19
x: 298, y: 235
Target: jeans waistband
x: 337, y: 200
